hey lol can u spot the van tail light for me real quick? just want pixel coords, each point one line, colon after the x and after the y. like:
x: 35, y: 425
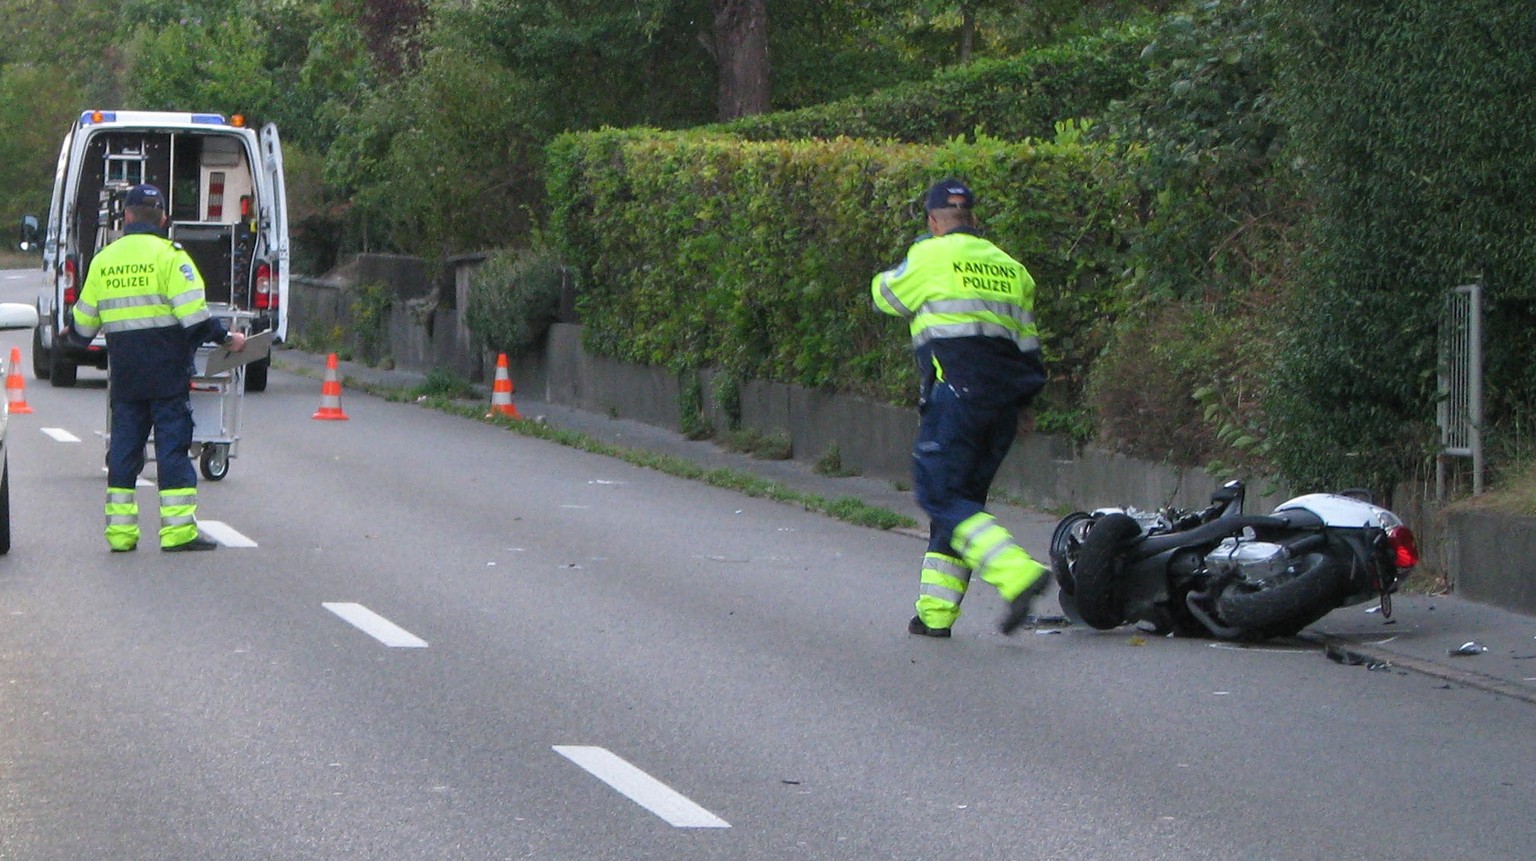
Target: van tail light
x: 71, y: 281
x: 266, y: 297
x: 1402, y: 547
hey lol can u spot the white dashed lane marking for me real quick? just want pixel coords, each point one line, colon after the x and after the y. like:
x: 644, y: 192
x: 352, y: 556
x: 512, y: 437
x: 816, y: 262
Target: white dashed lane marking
x: 376, y: 626
x: 223, y: 533
x: 641, y: 788
x: 61, y: 435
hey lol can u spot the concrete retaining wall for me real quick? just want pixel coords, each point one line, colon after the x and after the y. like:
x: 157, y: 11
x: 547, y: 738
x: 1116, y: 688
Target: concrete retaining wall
x: 1494, y: 558
x: 1483, y: 558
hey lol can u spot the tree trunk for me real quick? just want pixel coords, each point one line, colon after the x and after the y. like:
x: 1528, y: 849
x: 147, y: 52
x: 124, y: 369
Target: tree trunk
x: 741, y: 57
x: 967, y: 32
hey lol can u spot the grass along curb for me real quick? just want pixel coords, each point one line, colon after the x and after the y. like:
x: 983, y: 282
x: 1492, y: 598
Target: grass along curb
x: 845, y: 508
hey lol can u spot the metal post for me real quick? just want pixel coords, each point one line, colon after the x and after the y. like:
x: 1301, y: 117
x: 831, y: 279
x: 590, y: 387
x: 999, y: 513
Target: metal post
x: 1475, y: 382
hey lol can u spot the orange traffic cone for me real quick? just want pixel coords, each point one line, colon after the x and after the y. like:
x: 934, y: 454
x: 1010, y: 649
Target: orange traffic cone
x: 330, y: 394
x: 501, y: 392
x: 15, y: 386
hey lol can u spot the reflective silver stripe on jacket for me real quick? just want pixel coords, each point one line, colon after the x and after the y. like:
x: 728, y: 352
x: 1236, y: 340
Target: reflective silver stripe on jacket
x: 976, y: 328
x: 889, y: 295
x: 969, y: 330
x: 87, y: 309
x: 978, y: 306
x: 144, y: 300
x: 159, y: 321
x: 195, y: 317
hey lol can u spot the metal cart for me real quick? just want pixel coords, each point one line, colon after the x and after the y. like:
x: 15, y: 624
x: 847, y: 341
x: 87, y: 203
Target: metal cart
x: 216, y: 401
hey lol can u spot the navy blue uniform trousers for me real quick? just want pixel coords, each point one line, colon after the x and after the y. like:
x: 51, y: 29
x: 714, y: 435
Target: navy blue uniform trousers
x: 961, y: 442
x: 132, y: 421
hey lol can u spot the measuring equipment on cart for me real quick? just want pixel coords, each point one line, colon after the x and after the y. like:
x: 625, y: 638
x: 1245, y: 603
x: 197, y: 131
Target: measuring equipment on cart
x: 218, y: 391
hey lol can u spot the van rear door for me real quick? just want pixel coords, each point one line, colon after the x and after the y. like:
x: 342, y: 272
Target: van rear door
x: 274, y: 223
x: 55, y: 242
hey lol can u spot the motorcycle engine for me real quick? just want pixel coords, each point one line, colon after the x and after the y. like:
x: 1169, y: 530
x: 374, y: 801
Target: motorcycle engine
x: 1254, y: 561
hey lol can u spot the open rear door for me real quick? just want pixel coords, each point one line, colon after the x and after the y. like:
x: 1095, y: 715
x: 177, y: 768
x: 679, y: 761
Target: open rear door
x: 53, y: 252
x: 274, y: 221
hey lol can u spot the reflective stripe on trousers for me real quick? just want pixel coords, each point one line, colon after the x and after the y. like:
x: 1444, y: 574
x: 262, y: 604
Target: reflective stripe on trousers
x: 991, y: 551
x: 178, y: 516
x: 122, y: 518
x: 941, y: 588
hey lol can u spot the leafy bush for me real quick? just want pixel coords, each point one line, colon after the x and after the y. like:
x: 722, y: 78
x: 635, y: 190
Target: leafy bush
x: 514, y: 297
x: 370, y: 305
x: 1179, y: 383
x: 704, y: 250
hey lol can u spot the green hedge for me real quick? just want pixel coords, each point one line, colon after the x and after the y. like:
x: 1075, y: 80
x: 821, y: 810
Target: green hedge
x: 706, y: 250
x: 1009, y: 99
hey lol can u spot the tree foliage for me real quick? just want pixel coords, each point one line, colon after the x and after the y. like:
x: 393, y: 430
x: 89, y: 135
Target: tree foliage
x: 36, y: 107
x: 213, y: 65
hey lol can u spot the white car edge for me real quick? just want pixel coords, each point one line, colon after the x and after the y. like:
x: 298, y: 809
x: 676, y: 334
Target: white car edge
x: 13, y: 315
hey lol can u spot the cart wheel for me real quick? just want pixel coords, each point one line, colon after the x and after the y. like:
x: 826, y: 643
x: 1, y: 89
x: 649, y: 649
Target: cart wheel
x: 215, y: 462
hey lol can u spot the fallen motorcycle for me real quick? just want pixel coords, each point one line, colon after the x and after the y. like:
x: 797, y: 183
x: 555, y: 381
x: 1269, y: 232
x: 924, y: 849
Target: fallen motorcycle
x: 1217, y: 572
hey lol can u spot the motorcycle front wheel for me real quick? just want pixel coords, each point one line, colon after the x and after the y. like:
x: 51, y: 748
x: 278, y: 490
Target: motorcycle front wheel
x: 1281, y: 610
x: 1064, y: 549
x: 1098, y: 574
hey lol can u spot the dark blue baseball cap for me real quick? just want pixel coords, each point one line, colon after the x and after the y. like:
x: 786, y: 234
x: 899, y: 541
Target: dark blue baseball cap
x: 942, y: 194
x: 145, y: 195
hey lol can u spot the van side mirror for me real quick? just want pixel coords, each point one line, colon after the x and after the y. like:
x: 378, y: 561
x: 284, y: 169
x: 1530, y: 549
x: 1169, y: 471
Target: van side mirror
x: 30, y: 240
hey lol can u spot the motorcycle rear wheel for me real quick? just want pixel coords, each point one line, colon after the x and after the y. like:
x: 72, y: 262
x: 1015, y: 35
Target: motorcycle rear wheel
x: 1100, y: 588
x: 1282, y: 610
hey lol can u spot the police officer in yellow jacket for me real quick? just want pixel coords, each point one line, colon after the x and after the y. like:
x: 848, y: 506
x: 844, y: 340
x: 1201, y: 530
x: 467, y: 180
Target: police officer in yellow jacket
x: 978, y: 352
x: 145, y: 294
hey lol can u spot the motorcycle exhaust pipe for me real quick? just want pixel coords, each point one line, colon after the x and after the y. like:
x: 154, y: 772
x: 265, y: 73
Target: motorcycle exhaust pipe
x: 1207, y: 619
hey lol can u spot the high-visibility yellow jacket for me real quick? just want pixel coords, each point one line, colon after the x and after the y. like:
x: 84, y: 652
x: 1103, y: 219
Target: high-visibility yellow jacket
x: 144, y: 293
x: 971, y: 312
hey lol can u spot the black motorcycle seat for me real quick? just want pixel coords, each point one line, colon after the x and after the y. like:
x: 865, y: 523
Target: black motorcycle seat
x: 1225, y: 527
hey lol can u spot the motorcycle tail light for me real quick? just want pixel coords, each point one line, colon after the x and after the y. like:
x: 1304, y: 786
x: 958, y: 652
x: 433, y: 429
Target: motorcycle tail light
x: 1402, y: 546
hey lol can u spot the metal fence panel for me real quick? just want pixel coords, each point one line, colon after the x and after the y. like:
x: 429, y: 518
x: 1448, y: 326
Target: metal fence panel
x: 1461, y: 384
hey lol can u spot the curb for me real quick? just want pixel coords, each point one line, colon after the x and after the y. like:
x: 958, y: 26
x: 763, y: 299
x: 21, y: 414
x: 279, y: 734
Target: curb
x: 1348, y: 652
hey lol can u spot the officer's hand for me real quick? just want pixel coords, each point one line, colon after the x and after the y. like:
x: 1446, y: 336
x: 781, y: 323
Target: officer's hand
x: 236, y: 341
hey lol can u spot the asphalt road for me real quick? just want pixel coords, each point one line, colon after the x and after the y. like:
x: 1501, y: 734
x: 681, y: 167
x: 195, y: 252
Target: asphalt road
x: 441, y: 640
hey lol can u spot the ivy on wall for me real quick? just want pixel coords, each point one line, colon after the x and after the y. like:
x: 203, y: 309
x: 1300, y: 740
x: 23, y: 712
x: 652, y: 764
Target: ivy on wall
x: 1413, y: 122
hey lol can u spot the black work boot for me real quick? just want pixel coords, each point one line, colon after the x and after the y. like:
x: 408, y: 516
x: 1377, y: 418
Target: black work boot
x: 1021, y: 610
x: 198, y: 543
x: 917, y: 627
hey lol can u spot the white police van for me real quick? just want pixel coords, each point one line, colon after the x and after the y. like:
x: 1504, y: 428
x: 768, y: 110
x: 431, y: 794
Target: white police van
x: 223, y: 184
